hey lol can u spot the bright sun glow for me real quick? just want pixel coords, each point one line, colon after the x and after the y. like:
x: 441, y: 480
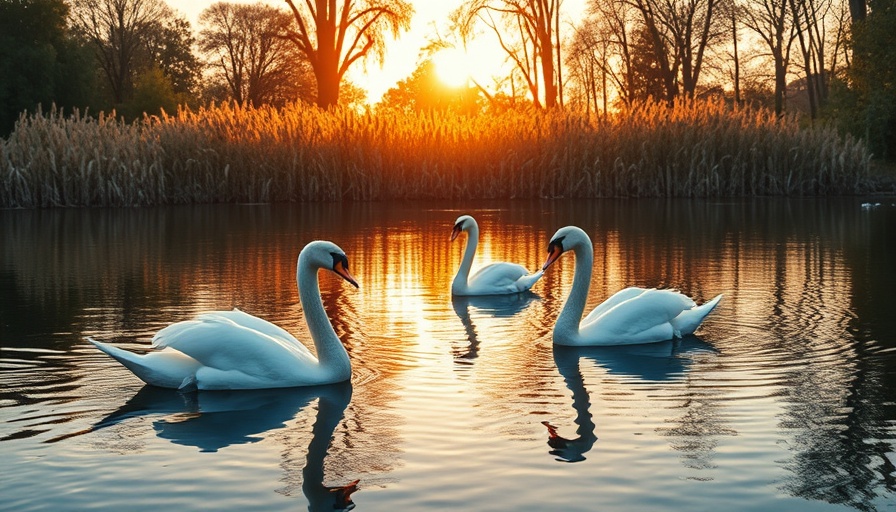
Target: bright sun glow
x: 484, y: 61
x: 452, y: 67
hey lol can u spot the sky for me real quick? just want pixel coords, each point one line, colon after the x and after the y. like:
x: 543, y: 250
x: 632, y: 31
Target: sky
x: 402, y: 55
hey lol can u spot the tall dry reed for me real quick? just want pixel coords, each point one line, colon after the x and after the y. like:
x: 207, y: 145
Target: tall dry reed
x: 230, y: 153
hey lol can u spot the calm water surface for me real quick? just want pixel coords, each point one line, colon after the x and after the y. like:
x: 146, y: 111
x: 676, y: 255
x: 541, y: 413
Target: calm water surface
x: 785, y: 399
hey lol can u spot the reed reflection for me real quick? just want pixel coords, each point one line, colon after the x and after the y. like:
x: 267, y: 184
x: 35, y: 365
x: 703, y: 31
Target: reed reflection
x: 214, y: 420
x: 655, y: 362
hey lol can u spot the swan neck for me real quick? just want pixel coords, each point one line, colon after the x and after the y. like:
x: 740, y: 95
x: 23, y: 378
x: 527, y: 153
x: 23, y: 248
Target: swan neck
x: 571, y: 316
x: 463, y: 273
x: 330, y: 412
x: 331, y: 355
x: 581, y: 402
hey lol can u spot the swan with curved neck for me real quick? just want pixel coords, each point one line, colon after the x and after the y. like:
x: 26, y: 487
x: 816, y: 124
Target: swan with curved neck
x: 235, y: 350
x: 632, y: 315
x: 494, y: 279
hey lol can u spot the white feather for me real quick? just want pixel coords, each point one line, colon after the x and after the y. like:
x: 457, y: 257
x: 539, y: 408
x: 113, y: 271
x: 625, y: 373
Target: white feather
x: 632, y: 315
x: 499, y: 278
x: 235, y: 350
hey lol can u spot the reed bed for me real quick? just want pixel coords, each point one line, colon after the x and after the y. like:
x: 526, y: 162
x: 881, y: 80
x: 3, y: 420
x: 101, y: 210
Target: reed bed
x: 230, y: 153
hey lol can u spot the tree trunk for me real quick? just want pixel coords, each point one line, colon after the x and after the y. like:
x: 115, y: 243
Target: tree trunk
x: 736, y: 61
x: 559, y: 59
x: 547, y: 72
x: 858, y: 9
x: 780, y: 83
x: 326, y: 66
x: 327, y: 93
x: 668, y: 72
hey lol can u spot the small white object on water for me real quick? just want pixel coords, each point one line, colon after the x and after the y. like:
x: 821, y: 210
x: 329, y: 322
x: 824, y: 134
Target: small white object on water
x: 868, y: 206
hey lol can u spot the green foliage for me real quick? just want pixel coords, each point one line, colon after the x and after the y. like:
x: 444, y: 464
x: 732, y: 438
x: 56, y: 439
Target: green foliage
x: 128, y: 38
x: 233, y: 153
x: 153, y: 94
x: 169, y: 46
x: 646, y: 73
x: 868, y: 106
x: 39, y: 62
x: 27, y: 79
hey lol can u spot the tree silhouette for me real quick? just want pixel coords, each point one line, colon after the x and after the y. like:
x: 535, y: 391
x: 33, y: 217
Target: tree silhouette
x: 528, y: 32
x: 248, y: 56
x: 116, y: 29
x: 335, y: 34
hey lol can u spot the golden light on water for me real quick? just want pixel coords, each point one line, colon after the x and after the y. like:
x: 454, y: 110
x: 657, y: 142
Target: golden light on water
x: 778, y: 366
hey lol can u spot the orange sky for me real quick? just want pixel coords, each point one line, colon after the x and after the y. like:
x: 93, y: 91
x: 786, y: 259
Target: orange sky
x: 402, y: 56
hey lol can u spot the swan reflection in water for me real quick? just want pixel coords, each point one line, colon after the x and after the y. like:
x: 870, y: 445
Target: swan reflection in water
x: 653, y: 362
x: 213, y: 420
x: 497, y: 306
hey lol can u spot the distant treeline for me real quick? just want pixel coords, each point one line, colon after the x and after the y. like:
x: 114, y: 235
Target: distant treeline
x: 228, y: 153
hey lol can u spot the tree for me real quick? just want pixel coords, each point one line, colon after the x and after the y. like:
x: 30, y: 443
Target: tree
x: 648, y: 77
x: 116, y: 29
x: 809, y: 24
x: 153, y: 93
x: 605, y: 39
x: 244, y: 47
x: 872, y: 78
x: 585, y: 58
x: 858, y: 9
x: 335, y: 34
x: 729, y: 13
x: 528, y: 32
x: 679, y: 32
x: 168, y: 44
x: 352, y: 96
x: 772, y: 21
x: 41, y: 62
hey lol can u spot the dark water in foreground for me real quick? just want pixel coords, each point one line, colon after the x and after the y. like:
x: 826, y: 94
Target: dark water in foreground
x: 786, y: 399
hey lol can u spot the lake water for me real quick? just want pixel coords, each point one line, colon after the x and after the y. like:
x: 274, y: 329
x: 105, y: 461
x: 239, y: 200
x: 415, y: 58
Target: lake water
x: 785, y: 399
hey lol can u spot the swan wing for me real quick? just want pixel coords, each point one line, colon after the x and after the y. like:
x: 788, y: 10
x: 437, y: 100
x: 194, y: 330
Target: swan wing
x: 217, y: 341
x: 502, y: 277
x: 642, y: 318
x: 261, y: 325
x: 620, y: 296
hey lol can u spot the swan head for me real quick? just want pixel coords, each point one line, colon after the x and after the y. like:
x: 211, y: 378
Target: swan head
x: 324, y: 254
x: 570, y: 237
x: 463, y: 223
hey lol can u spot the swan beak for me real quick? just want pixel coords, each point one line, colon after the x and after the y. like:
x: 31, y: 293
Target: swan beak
x: 554, y: 252
x: 552, y: 430
x: 343, y: 272
x: 344, y: 495
x: 456, y: 231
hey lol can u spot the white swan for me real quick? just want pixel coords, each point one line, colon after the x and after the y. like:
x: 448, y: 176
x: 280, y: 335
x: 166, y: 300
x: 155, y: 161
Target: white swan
x: 235, y: 350
x: 493, y: 279
x: 633, y: 315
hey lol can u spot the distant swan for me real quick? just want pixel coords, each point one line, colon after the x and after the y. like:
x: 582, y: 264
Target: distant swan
x: 494, y: 279
x: 633, y: 315
x: 235, y: 350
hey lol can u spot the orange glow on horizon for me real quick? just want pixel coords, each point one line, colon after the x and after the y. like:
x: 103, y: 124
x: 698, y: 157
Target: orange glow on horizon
x: 483, y: 59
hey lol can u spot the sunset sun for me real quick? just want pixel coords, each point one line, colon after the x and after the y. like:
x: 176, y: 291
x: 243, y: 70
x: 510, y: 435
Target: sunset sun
x: 452, y: 67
